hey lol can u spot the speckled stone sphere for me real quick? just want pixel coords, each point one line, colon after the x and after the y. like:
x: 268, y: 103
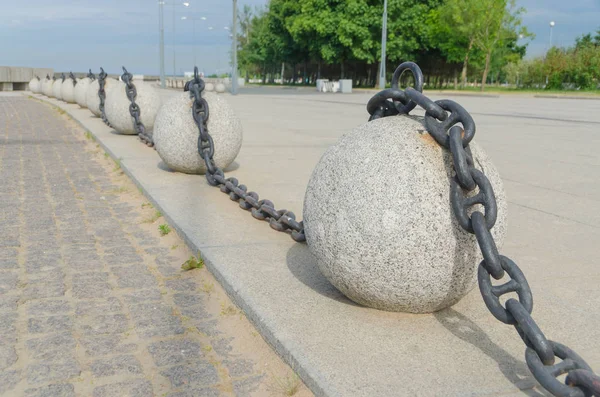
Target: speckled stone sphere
x: 220, y: 88
x: 209, y: 87
x: 81, y: 91
x: 35, y: 85
x: 47, y: 87
x: 176, y: 134
x: 117, y: 107
x: 67, y: 91
x: 378, y: 220
x: 91, y: 97
x: 57, y: 89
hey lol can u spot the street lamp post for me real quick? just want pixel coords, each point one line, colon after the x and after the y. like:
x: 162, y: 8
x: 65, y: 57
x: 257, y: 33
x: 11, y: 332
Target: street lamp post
x: 194, y: 32
x: 550, y: 47
x: 383, y: 46
x: 161, y: 31
x: 234, y: 66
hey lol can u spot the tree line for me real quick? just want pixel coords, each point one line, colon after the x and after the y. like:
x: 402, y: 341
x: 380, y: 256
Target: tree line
x: 575, y: 67
x: 456, y: 42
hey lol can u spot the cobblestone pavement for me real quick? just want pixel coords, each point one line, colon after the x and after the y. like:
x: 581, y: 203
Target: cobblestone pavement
x: 92, y: 300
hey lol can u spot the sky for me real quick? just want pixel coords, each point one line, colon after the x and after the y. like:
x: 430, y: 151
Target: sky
x: 81, y: 34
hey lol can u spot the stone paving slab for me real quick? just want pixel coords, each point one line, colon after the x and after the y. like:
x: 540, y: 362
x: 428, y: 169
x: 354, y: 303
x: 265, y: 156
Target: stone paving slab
x: 341, y: 349
x: 92, y: 301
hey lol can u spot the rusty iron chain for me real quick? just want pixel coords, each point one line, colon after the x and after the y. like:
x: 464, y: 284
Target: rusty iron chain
x: 280, y: 220
x: 442, y: 119
x: 134, y: 109
x: 102, y: 94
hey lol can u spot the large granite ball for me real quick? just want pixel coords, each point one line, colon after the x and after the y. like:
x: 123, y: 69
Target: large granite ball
x: 91, y: 97
x: 67, y: 91
x: 47, y: 87
x: 378, y: 220
x: 57, y: 89
x: 117, y: 107
x: 81, y: 91
x: 176, y: 134
x: 209, y: 87
x: 220, y: 88
x: 35, y: 85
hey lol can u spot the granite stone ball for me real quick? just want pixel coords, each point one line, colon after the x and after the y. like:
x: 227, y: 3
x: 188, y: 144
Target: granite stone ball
x: 67, y: 91
x: 378, y: 219
x: 117, y: 107
x: 176, y: 134
x: 209, y: 87
x: 35, y: 85
x: 81, y: 91
x: 91, y: 96
x: 220, y: 88
x: 47, y: 87
x: 57, y: 89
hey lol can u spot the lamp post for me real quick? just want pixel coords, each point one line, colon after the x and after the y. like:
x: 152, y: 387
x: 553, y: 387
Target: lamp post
x: 161, y: 34
x: 234, y: 66
x: 550, y: 47
x: 194, y: 32
x: 383, y: 45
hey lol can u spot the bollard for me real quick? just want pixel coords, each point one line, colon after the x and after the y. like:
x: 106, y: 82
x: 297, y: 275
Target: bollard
x: 81, y: 89
x: 176, y: 134
x: 385, y: 236
x: 47, y: 86
x: 92, y: 98
x: 57, y: 87
x: 67, y: 91
x: 35, y: 85
x: 117, y: 107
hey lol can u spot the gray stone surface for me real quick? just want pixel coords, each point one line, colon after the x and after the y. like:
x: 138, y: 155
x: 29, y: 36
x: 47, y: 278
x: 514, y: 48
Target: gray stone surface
x: 117, y: 107
x: 83, y: 309
x: 57, y: 89
x: 209, y: 87
x: 377, y: 218
x: 81, y: 91
x: 220, y: 88
x: 91, y: 96
x: 351, y: 350
x: 67, y: 91
x: 176, y: 133
x: 35, y: 85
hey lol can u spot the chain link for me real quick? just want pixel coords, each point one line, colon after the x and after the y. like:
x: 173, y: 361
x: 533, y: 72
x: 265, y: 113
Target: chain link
x: 102, y: 94
x: 280, y: 220
x: 134, y: 109
x: 73, y: 79
x: 91, y: 75
x: 470, y: 191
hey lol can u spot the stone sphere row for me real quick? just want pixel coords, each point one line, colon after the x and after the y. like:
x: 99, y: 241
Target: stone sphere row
x: 170, y: 123
x: 377, y: 212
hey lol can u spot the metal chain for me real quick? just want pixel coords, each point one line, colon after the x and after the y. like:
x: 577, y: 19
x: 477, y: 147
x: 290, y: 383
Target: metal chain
x: 63, y: 77
x: 91, y: 75
x: 441, y: 121
x: 102, y: 94
x: 280, y: 220
x: 134, y: 109
x: 73, y: 79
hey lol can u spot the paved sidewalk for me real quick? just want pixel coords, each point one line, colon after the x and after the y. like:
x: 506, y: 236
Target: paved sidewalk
x: 92, y: 300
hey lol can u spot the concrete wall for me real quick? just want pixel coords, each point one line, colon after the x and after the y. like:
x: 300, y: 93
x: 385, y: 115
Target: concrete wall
x: 16, y: 78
